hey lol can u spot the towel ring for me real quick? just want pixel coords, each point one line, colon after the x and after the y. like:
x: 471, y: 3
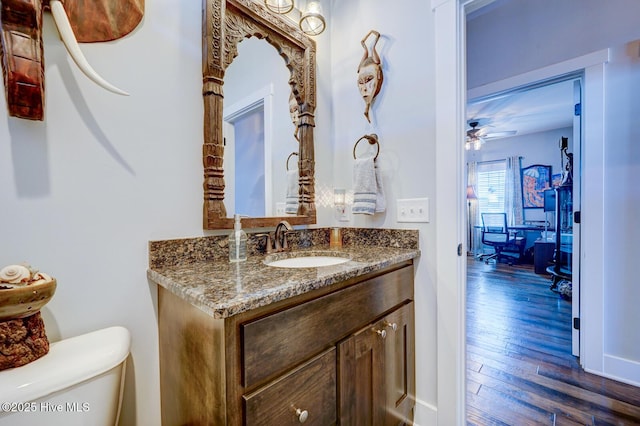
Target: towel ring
x: 373, y: 139
x: 289, y: 157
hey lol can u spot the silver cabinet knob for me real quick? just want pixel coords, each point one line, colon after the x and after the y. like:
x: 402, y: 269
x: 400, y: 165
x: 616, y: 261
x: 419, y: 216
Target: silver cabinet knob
x: 393, y: 325
x: 302, y: 415
x: 381, y: 333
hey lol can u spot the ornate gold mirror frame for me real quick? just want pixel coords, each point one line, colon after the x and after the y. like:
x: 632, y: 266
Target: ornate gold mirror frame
x: 225, y: 24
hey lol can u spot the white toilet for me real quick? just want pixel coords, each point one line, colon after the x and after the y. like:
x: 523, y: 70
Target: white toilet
x: 79, y: 382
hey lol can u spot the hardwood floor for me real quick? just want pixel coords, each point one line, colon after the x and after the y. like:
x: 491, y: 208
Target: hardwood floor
x: 520, y: 370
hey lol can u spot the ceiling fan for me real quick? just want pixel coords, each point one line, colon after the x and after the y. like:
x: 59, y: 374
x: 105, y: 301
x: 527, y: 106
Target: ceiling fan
x: 476, y: 137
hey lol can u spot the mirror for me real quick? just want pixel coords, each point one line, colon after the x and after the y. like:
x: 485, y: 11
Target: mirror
x: 226, y: 25
x: 259, y: 134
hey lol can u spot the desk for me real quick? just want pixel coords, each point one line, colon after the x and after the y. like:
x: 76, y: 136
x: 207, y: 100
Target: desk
x: 530, y: 232
x: 523, y: 228
x: 527, y: 228
x: 542, y: 255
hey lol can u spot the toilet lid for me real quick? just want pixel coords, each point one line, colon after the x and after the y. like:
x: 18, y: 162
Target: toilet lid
x: 69, y: 361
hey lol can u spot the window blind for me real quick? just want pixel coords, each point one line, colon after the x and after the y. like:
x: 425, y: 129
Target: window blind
x: 491, y: 186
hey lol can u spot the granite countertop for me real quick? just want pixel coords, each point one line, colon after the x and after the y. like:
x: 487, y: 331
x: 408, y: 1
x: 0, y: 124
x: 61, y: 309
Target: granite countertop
x: 223, y: 289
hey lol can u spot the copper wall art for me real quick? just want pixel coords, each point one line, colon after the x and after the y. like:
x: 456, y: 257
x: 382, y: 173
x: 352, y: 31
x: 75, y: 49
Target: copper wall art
x: 77, y: 21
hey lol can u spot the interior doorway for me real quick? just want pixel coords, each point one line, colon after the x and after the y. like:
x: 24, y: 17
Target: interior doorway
x: 451, y: 97
x: 521, y: 132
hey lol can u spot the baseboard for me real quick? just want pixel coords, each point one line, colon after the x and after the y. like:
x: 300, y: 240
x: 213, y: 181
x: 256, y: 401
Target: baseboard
x: 621, y: 369
x: 425, y: 414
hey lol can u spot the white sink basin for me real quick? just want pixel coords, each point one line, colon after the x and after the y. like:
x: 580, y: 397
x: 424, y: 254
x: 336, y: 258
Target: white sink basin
x: 307, y: 261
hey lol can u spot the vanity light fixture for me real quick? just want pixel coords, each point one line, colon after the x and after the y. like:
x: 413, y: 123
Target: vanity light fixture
x: 279, y: 6
x: 311, y: 21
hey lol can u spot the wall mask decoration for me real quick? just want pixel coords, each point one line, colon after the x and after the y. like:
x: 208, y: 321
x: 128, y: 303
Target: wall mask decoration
x: 77, y: 21
x: 370, y: 73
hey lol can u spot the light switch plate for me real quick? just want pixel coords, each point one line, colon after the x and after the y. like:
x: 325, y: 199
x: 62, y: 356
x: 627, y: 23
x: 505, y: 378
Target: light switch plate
x: 413, y: 210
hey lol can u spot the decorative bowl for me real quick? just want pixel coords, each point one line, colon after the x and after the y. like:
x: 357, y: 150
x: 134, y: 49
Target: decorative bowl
x: 20, y: 302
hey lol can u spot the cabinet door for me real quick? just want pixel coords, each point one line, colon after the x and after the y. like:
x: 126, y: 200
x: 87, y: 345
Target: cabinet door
x: 377, y: 372
x: 361, y: 377
x: 400, y: 366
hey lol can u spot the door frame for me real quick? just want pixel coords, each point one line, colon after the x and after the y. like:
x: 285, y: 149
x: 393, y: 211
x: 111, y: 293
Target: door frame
x: 577, y: 77
x: 451, y: 95
x: 262, y: 98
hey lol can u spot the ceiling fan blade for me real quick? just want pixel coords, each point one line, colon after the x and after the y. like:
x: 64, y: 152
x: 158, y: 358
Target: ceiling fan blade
x: 504, y: 134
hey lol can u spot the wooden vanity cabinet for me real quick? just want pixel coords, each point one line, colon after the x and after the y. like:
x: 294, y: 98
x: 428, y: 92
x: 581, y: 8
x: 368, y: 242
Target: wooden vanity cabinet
x: 338, y: 355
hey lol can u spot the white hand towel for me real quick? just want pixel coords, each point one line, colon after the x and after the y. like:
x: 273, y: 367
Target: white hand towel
x: 381, y: 202
x: 291, y: 198
x: 364, y: 186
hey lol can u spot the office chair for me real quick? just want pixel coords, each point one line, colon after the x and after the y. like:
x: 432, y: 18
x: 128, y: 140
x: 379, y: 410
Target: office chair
x: 495, y: 233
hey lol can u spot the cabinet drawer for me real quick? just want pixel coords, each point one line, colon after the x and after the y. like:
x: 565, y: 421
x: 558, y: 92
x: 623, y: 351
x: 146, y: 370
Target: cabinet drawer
x: 311, y: 389
x: 272, y: 344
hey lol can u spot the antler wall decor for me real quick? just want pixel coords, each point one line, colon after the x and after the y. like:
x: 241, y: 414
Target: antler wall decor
x: 77, y: 21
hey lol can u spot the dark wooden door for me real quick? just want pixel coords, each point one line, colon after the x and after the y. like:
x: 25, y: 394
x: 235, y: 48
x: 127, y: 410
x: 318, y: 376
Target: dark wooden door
x: 361, y: 377
x: 400, y: 366
x: 377, y: 372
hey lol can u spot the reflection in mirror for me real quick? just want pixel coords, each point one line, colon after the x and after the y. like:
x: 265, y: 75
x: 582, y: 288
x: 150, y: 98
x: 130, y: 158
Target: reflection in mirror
x: 259, y: 133
x: 244, y: 155
x: 294, y: 111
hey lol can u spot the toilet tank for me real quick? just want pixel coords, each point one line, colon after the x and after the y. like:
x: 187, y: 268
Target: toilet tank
x: 79, y: 382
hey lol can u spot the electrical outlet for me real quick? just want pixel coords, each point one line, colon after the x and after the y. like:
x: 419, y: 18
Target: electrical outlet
x: 342, y: 213
x: 413, y: 210
x: 280, y: 209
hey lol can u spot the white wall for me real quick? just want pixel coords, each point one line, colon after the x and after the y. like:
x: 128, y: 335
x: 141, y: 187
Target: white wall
x: 622, y: 202
x: 403, y: 117
x: 545, y: 32
x: 516, y: 36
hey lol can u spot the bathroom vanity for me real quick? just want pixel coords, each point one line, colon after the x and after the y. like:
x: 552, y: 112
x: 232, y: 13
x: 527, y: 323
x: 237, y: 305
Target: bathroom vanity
x: 248, y: 344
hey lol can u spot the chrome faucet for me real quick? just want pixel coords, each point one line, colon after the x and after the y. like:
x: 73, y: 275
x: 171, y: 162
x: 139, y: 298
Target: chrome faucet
x: 280, y: 237
x: 280, y: 242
